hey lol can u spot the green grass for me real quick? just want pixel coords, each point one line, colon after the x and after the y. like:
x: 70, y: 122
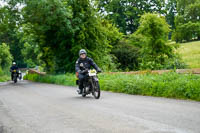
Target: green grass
x: 171, y: 85
x: 190, y: 53
x: 68, y: 79
x: 4, y: 78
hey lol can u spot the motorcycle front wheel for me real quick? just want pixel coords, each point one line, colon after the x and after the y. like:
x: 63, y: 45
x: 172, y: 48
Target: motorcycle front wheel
x: 96, y: 91
x: 84, y: 92
x: 15, y: 80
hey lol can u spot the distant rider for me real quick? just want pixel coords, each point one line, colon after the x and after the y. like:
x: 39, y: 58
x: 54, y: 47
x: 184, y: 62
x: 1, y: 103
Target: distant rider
x: 13, y: 67
x: 83, y: 64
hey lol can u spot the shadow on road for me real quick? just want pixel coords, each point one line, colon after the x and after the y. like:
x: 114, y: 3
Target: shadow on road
x: 80, y: 98
x: 2, y: 129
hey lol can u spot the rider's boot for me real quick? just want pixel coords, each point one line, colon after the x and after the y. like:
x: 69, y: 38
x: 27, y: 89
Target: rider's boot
x: 80, y: 90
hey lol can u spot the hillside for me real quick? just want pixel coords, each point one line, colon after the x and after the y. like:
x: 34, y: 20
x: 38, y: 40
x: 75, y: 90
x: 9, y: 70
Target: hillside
x: 190, y: 53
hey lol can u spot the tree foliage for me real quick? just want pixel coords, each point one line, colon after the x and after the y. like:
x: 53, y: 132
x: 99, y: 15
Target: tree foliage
x: 61, y: 28
x: 126, y: 13
x: 187, y: 21
x: 155, y: 51
x: 5, y: 56
x: 52, y: 31
x: 117, y: 34
x: 30, y: 50
x: 171, y: 11
x: 183, y: 4
x: 9, y: 24
x: 127, y: 55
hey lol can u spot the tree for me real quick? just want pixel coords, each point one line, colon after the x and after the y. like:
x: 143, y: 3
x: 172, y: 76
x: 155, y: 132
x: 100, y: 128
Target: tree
x: 30, y: 51
x: 192, y: 12
x: 126, y: 14
x: 52, y: 31
x: 187, y: 32
x: 5, y: 56
x: 187, y: 21
x: 93, y: 33
x: 182, y: 5
x: 155, y: 50
x: 9, y: 24
x: 61, y: 28
x: 171, y: 11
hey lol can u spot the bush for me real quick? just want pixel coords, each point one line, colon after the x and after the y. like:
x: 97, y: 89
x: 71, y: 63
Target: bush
x: 175, y: 63
x: 127, y: 56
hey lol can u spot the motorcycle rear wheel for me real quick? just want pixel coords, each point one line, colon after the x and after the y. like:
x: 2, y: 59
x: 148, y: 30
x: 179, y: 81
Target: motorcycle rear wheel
x: 83, y: 95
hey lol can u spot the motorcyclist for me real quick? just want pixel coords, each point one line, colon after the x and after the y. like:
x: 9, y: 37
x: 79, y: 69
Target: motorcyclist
x: 13, y: 67
x: 83, y: 64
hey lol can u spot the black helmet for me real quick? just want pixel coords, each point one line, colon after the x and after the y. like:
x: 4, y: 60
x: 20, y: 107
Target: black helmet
x: 82, y: 51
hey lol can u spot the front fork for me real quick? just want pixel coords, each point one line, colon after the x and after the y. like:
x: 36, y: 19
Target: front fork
x: 93, y: 83
x: 89, y: 86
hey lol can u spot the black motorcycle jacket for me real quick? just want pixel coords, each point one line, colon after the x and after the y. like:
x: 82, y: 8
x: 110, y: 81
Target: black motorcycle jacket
x: 13, y: 68
x: 83, y: 64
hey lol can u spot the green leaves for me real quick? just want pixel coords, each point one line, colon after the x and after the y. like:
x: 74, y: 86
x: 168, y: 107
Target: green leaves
x: 155, y: 51
x: 187, y: 21
x: 59, y: 29
x: 187, y: 32
x: 52, y: 31
x: 5, y: 56
x: 9, y: 23
x: 125, y: 14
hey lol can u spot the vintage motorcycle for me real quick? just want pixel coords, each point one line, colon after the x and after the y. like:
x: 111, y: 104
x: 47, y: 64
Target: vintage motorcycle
x: 91, y: 84
x: 20, y: 75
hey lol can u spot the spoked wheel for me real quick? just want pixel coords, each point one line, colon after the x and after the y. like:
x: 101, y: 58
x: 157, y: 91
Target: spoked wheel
x: 83, y: 92
x: 15, y: 79
x: 83, y: 95
x: 97, y: 91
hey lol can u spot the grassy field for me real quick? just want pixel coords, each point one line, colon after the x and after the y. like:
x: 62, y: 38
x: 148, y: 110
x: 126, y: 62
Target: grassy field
x: 171, y: 85
x: 190, y: 53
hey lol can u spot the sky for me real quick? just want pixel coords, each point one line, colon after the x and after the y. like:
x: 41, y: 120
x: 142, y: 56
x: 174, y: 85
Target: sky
x: 2, y: 3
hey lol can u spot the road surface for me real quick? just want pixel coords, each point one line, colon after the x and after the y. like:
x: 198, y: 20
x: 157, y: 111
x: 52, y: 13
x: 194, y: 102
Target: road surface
x: 28, y: 107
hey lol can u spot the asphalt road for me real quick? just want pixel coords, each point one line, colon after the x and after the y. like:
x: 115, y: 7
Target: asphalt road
x: 28, y: 107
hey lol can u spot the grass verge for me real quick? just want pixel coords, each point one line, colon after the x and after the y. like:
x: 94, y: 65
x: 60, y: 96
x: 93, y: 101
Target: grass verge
x: 170, y: 85
x: 4, y: 78
x: 190, y: 53
x: 4, y: 75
